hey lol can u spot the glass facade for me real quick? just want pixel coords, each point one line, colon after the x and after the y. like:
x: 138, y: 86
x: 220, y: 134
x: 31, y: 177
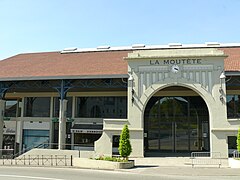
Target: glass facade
x: 176, y: 124
x: 37, y: 106
x: 101, y: 107
x: 11, y: 108
x: 232, y: 145
x: 32, y: 138
x: 233, y: 106
x: 56, y: 107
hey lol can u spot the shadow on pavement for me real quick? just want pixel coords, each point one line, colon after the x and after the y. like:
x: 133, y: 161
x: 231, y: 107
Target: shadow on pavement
x: 143, y: 166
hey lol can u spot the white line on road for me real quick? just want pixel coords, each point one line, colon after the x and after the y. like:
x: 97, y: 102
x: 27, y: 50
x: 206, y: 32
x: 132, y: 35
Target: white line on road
x: 28, y: 177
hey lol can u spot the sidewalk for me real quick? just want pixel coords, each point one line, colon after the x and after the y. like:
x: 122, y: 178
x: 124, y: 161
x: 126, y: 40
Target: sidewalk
x: 179, y: 167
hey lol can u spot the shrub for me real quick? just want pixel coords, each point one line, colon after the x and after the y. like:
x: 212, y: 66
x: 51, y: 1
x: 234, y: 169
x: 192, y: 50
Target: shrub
x: 238, y: 140
x: 125, y: 147
x: 107, y: 158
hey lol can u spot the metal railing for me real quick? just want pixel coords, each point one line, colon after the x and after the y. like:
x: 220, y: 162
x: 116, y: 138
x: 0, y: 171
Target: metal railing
x: 39, y: 160
x: 206, y: 158
x: 29, y: 148
x: 236, y: 154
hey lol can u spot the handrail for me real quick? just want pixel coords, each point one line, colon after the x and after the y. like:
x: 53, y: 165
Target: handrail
x: 28, y: 149
x: 47, y: 145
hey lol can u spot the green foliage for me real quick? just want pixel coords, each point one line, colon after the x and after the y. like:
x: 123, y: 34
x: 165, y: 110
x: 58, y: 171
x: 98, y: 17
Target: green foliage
x: 238, y: 140
x: 125, y: 147
x: 107, y: 158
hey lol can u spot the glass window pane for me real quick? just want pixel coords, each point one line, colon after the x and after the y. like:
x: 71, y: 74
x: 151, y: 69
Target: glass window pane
x: 37, y: 107
x: 231, y: 106
x: 237, y: 105
x: 33, y: 138
x: 101, y: 107
x: 11, y: 108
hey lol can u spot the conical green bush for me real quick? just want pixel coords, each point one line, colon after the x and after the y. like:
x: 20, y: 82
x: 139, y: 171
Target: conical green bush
x: 125, y: 147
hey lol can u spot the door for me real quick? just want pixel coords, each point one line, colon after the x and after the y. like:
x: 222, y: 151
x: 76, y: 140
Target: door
x: 176, y: 125
x: 173, y: 137
x: 166, y: 137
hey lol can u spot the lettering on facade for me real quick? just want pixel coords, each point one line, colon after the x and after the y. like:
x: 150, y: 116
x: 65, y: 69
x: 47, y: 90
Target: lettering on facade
x: 176, y: 61
x: 85, y: 131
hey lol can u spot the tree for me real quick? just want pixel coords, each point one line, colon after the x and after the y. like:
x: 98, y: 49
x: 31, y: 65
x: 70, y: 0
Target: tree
x: 125, y: 147
x: 238, y: 140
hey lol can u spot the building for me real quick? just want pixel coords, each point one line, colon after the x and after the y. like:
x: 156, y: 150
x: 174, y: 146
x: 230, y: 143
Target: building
x: 175, y: 98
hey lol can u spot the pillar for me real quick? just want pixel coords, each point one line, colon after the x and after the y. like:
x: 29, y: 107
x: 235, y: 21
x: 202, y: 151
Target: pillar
x: 62, y: 124
x: 2, y: 109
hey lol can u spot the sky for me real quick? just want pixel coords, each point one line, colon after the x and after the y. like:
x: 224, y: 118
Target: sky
x: 52, y: 25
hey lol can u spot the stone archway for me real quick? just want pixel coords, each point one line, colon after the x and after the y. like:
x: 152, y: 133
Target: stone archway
x: 176, y: 122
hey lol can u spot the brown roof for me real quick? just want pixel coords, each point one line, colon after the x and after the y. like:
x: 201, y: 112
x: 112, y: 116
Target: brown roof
x: 86, y: 64
x: 232, y: 62
x: 55, y: 64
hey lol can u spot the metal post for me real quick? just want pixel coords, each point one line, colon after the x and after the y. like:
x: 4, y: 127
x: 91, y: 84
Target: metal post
x: 62, y: 124
x: 62, y: 118
x: 51, y: 161
x: 56, y: 160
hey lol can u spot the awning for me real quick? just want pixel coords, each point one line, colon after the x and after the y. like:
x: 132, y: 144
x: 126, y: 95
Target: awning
x: 87, y: 128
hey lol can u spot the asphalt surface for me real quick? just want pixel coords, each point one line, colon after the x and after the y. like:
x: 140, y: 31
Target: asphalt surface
x: 139, y: 172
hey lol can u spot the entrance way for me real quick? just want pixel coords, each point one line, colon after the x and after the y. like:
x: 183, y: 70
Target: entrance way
x: 175, y: 125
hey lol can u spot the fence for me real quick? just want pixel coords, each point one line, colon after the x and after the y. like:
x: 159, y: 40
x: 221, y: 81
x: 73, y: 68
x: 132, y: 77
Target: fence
x: 39, y: 160
x: 206, y: 158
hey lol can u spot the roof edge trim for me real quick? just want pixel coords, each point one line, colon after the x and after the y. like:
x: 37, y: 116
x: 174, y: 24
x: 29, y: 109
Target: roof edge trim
x: 65, y: 77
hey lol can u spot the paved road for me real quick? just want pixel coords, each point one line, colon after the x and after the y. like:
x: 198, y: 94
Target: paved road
x: 151, y: 173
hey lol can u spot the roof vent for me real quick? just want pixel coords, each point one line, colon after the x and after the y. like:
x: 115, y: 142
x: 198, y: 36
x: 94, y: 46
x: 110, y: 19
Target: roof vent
x: 103, y: 47
x: 138, y: 46
x: 70, y: 49
x: 174, y: 44
x: 212, y: 43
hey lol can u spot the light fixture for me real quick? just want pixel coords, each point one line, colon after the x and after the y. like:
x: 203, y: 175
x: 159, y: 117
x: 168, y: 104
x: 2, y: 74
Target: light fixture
x: 222, y: 75
x: 130, y: 78
x: 221, y: 91
x: 133, y: 92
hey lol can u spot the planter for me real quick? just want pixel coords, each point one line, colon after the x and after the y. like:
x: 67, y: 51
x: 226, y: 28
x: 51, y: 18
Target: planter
x: 233, y: 163
x: 101, y: 164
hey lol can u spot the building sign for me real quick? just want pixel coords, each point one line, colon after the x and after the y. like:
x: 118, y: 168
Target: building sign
x: 176, y: 61
x: 86, y: 131
x: 9, y: 131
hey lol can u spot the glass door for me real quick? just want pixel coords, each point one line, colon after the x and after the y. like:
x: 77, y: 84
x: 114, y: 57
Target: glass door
x: 176, y: 125
x: 166, y: 137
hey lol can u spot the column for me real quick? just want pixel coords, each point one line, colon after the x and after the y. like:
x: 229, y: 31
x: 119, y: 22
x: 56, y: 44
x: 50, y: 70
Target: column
x: 62, y: 124
x: 2, y: 109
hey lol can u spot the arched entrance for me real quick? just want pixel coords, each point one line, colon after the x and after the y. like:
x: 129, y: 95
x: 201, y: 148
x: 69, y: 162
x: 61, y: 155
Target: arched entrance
x: 176, y: 122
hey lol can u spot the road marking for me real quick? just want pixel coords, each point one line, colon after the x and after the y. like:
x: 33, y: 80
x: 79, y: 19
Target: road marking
x: 28, y: 177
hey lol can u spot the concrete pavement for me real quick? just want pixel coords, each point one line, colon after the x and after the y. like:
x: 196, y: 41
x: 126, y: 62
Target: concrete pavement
x: 180, y: 167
